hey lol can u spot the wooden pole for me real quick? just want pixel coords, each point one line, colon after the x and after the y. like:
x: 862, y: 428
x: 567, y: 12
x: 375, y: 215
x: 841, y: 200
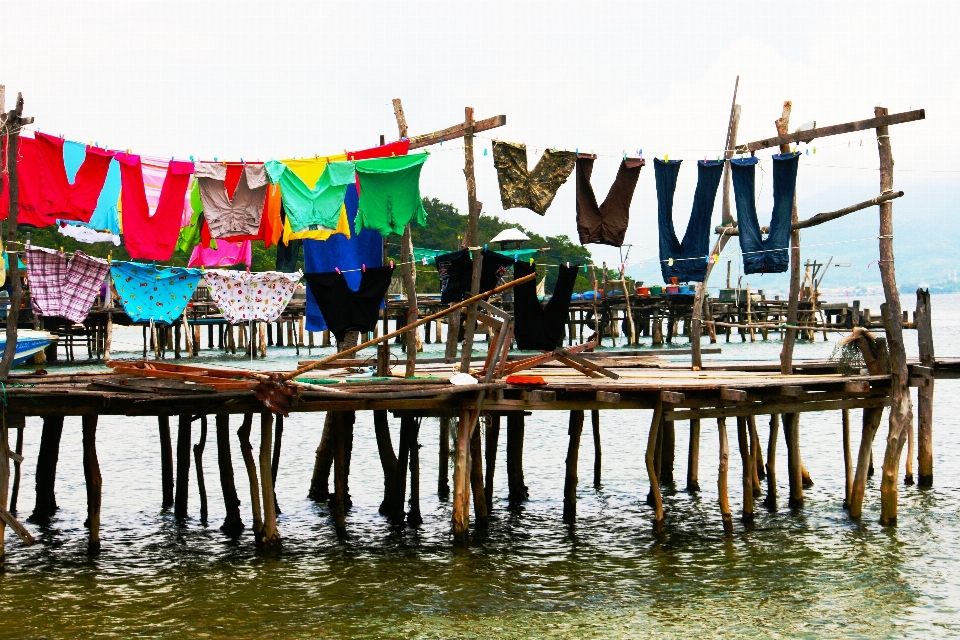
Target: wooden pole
x: 275, y: 462
x: 399, y: 481
x: 323, y: 460
x: 414, y: 517
x: 388, y: 463
x: 461, y: 479
x: 693, y: 458
x: 901, y: 406
x: 756, y: 455
x: 246, y: 450
x: 595, y: 419
x: 491, y: 440
x: 517, y: 490
x: 13, y: 122
x: 443, y: 475
x: 871, y: 423
x: 746, y: 459
x: 166, y: 462
x: 791, y: 433
x: 4, y: 478
x: 46, y: 501
x: 922, y: 319
x: 723, y: 498
x: 271, y: 537
x: 570, y: 480
x: 17, y: 422
x: 198, y: 459
x: 790, y: 336
x: 476, y: 477
x: 232, y: 523
x: 407, y: 267
x: 183, y: 468
x: 770, y: 502
x: 667, y: 452
x: 651, y: 468
x: 847, y: 460
x: 338, y: 501
x: 94, y: 482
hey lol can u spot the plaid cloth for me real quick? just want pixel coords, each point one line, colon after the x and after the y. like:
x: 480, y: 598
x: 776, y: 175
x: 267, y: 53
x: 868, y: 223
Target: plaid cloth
x: 61, y: 289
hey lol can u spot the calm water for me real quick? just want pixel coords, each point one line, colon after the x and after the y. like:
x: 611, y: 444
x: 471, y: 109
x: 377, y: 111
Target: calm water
x: 810, y: 573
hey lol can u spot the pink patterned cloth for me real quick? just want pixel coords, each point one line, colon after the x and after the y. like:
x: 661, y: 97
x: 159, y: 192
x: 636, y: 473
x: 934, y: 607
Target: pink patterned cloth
x: 244, y: 296
x: 226, y: 254
x: 58, y: 288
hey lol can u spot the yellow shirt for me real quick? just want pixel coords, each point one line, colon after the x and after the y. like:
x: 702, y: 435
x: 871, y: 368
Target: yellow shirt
x: 309, y: 170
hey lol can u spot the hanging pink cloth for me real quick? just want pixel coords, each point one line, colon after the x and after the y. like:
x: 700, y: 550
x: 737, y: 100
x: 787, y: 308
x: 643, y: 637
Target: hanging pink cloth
x: 225, y: 255
x: 28, y: 196
x: 151, y: 216
x: 58, y: 198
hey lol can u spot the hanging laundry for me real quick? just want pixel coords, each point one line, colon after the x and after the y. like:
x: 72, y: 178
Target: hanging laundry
x: 3, y: 269
x: 399, y: 148
x: 60, y: 198
x: 541, y: 327
x: 690, y: 256
x: 59, y: 288
x: 149, y: 293
x: 605, y: 223
x: 271, y: 228
x: 232, y: 215
x: 456, y: 272
x: 226, y: 254
x: 340, y: 252
x: 106, y: 216
x: 768, y: 255
x: 243, y: 296
x: 152, y: 216
x: 82, y: 233
x: 524, y: 189
x: 28, y: 182
x: 319, y: 204
x: 192, y: 234
x: 390, y: 193
x: 345, y: 309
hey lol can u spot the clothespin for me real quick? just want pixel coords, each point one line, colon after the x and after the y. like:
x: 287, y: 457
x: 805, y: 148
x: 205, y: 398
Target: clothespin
x: 666, y: 157
x: 531, y: 262
x: 484, y: 151
x: 363, y: 268
x: 484, y: 247
x: 568, y: 265
x: 670, y: 262
x: 516, y: 257
x: 425, y: 261
x: 337, y: 269
x: 109, y: 256
x: 242, y: 162
x: 214, y: 158
x: 814, y: 151
x: 393, y: 154
x: 391, y: 263
x: 191, y: 159
x: 584, y: 268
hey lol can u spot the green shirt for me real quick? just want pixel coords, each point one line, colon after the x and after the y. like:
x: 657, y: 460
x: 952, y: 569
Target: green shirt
x: 190, y: 234
x: 307, y: 206
x: 390, y: 193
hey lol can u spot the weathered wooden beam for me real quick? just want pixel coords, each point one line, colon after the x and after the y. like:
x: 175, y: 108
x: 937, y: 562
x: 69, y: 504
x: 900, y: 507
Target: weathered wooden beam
x: 18, y: 528
x: 456, y: 131
x: 607, y: 396
x: 753, y: 408
x: 833, y: 130
x: 820, y: 218
x: 671, y: 397
x: 791, y: 390
x: 733, y: 395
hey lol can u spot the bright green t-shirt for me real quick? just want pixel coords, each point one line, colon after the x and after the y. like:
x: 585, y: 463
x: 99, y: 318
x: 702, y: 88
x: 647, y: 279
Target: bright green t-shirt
x: 390, y: 193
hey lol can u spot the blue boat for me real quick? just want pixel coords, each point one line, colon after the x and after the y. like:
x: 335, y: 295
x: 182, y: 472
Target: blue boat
x: 29, y: 343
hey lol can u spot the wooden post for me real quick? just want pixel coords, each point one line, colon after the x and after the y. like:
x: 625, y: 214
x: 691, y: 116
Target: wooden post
x: 275, y: 462
x: 183, y: 468
x: 746, y: 458
x: 407, y: 267
x: 693, y: 458
x: 108, y: 340
x: 338, y: 501
x: 4, y: 477
x: 770, y: 502
x: 517, y: 490
x: 791, y: 433
x: 414, y: 517
x: 443, y: 482
x: 46, y: 501
x: 492, y: 439
x: 723, y: 498
x: 271, y: 537
x: 667, y: 452
x: 398, y: 489
x: 698, y: 299
x: 871, y: 422
x: 901, y: 406
x: 388, y: 462
x: 13, y: 122
x: 922, y: 319
x: 323, y: 460
x: 461, y: 479
x: 790, y: 336
x: 651, y: 468
x: 17, y: 422
x: 476, y: 477
x: 757, y: 473
x: 570, y: 480
x: 847, y: 459
x: 246, y: 450
x: 94, y: 482
x: 198, y: 459
x: 232, y: 523
x: 595, y: 419
x: 166, y: 462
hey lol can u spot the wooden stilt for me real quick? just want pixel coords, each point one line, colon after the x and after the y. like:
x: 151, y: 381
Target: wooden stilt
x: 16, y: 422
x: 791, y: 434
x: 91, y: 474
x: 270, y: 540
x: 517, y: 490
x: 166, y: 462
x: 232, y: 523
x: 275, y: 463
x: 480, y: 512
x: 398, y: 491
x: 246, y: 450
x: 388, y: 461
x: 4, y: 473
x: 724, y: 499
x: 443, y: 482
x: 571, y: 479
x: 320, y: 482
x: 925, y: 392
x: 461, y: 479
x: 871, y: 422
x: 757, y: 472
x: 597, y: 453
x: 183, y: 468
x: 847, y: 459
x: 414, y: 517
x: 491, y: 441
x: 746, y: 459
x: 693, y: 458
x: 338, y: 506
x: 46, y: 501
x: 770, y: 502
x: 655, y: 425
x: 198, y: 460
x: 668, y: 452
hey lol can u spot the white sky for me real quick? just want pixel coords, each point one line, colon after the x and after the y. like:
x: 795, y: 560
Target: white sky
x: 262, y: 80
